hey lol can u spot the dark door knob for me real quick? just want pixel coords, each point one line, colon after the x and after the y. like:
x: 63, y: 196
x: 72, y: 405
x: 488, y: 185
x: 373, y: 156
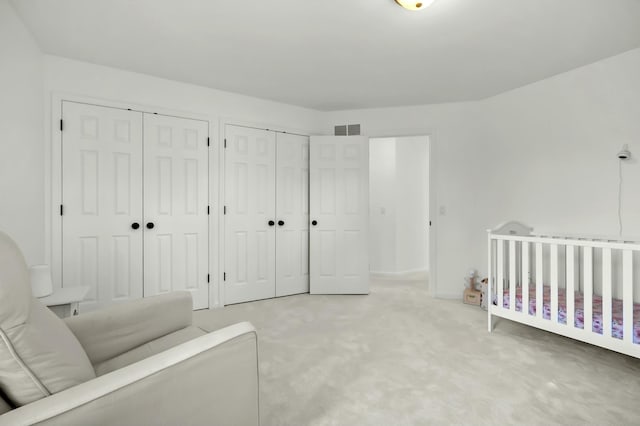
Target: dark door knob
x: 281, y: 222
x: 314, y: 222
x: 135, y: 225
x: 150, y: 225
x: 271, y: 223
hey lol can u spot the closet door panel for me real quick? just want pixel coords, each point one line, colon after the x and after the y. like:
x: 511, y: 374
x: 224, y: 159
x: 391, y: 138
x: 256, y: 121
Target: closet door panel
x: 250, y: 204
x: 176, y: 176
x: 339, y: 202
x: 102, y: 198
x: 292, y: 210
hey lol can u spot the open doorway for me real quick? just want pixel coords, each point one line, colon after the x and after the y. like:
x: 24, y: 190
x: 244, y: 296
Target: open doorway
x: 399, y: 208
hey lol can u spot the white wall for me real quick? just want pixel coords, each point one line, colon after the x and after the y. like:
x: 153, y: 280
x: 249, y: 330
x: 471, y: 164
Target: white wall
x: 456, y: 141
x: 543, y: 154
x: 21, y: 136
x: 382, y: 201
x: 25, y: 117
x: 81, y: 78
x: 64, y: 77
x: 412, y: 213
x: 552, y: 147
x: 399, y: 217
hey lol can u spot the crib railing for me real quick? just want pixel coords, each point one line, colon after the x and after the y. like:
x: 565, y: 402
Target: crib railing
x: 587, y: 266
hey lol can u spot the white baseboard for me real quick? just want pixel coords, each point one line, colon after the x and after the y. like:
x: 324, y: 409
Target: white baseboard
x: 449, y: 296
x: 411, y: 274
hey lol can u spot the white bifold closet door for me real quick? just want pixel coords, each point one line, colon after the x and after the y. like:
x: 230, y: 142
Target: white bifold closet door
x: 266, y: 214
x: 176, y: 232
x: 101, y: 200
x: 292, y: 214
x: 339, y: 188
x: 250, y: 205
x: 134, y: 200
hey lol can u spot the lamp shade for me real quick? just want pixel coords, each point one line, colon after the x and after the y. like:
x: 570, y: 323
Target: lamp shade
x: 41, y: 284
x: 414, y: 4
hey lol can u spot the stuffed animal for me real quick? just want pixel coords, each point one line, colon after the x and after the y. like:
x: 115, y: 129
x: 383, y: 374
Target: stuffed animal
x: 471, y: 295
x: 484, y: 286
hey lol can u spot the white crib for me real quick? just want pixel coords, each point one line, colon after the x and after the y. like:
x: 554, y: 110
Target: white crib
x: 532, y: 278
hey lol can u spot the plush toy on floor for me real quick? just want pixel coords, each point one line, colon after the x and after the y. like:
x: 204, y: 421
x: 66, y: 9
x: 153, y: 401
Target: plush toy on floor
x: 483, y: 298
x: 471, y: 295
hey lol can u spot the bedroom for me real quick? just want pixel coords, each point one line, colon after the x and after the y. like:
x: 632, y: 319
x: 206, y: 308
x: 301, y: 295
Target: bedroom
x: 541, y: 151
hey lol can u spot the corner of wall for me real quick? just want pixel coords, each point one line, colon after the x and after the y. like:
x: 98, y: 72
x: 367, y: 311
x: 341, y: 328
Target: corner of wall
x: 21, y: 130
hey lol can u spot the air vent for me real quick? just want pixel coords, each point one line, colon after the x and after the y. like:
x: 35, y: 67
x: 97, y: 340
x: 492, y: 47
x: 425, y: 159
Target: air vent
x: 353, y: 129
x: 347, y: 130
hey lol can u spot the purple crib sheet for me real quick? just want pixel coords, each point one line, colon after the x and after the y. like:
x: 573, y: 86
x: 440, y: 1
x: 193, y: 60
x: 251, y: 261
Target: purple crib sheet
x: 616, y: 321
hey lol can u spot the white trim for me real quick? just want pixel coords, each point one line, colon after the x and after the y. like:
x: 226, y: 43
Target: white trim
x: 214, y: 215
x: 221, y: 224
x: 590, y: 237
x: 53, y: 157
x: 398, y: 274
x: 568, y: 241
x: 72, y: 97
x: 431, y: 134
x: 262, y: 126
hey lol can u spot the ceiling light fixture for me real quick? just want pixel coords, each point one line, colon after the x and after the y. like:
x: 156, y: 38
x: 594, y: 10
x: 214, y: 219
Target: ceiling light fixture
x: 414, y: 5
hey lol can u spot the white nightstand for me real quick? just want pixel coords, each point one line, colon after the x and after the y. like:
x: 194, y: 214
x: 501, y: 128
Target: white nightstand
x: 64, y: 302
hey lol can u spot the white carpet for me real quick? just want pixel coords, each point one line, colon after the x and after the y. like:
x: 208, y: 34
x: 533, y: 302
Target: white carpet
x: 399, y: 357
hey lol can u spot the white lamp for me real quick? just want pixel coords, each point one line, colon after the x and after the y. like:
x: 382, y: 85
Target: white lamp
x: 41, y: 284
x: 414, y: 4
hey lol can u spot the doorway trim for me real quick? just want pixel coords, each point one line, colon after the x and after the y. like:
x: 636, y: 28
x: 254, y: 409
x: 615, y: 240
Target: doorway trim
x: 430, y: 134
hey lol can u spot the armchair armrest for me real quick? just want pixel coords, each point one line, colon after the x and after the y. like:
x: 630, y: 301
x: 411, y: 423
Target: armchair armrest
x: 212, y: 379
x: 114, y: 330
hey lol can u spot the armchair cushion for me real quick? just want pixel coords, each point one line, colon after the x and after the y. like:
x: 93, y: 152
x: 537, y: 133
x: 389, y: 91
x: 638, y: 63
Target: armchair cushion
x: 114, y: 330
x: 148, y: 349
x: 212, y: 379
x: 4, y: 406
x: 38, y: 354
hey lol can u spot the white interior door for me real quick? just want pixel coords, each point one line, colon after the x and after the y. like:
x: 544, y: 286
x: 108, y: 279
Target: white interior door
x: 176, y: 186
x: 292, y: 213
x: 102, y: 199
x: 250, y: 228
x: 339, y: 201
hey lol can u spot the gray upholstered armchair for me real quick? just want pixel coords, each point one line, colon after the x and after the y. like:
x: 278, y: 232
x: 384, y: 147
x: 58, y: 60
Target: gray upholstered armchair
x: 143, y: 362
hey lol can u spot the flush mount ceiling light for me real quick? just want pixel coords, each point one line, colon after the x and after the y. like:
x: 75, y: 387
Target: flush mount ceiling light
x: 414, y: 5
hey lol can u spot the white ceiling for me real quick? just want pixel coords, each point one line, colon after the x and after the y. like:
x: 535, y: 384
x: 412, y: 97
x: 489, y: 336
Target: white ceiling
x: 339, y: 54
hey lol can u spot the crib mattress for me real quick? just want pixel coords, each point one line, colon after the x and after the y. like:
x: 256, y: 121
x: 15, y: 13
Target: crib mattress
x: 616, y: 321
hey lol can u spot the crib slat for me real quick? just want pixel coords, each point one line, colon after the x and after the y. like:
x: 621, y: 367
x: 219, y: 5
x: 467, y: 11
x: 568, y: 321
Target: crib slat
x: 554, y: 282
x: 606, y: 292
x: 627, y: 295
x: 490, y: 271
x: 539, y: 281
x: 512, y: 275
x: 570, y: 290
x: 500, y: 274
x: 525, y: 278
x: 588, y: 288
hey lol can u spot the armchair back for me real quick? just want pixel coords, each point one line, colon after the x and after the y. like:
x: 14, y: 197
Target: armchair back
x: 39, y: 355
